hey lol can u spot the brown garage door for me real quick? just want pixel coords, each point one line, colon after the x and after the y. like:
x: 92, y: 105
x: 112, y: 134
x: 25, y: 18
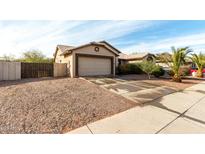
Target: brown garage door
x: 94, y: 66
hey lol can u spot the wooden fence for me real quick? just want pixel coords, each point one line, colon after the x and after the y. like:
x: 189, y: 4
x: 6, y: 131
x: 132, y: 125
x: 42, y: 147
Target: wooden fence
x: 10, y: 71
x: 36, y: 70
x: 18, y: 70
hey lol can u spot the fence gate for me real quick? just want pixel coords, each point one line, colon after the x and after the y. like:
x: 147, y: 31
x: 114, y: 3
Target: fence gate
x: 36, y: 70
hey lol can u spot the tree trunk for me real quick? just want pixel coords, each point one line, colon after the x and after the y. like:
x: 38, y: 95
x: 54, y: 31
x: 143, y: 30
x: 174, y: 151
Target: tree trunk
x: 149, y: 76
x: 176, y: 78
x: 199, y: 73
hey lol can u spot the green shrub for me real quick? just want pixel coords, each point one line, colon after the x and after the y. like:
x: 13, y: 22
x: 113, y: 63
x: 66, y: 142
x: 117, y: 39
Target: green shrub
x: 148, y: 67
x: 129, y: 69
x: 158, y: 71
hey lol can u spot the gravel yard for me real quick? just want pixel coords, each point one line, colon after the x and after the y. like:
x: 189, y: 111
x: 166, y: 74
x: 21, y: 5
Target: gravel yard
x: 55, y: 105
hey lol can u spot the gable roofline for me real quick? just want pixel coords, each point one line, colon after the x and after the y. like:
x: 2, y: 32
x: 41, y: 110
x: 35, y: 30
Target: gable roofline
x: 55, y: 53
x: 62, y: 48
x: 108, y: 44
x: 110, y: 48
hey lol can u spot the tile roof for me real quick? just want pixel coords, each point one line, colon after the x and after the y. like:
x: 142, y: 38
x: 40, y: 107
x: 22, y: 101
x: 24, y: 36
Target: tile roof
x: 65, y: 47
x: 134, y: 56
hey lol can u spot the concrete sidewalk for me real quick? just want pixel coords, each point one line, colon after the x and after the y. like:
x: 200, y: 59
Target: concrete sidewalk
x: 180, y: 112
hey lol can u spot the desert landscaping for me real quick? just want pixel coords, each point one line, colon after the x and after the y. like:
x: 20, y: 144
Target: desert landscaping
x: 58, y: 105
x: 54, y: 105
x: 84, y: 83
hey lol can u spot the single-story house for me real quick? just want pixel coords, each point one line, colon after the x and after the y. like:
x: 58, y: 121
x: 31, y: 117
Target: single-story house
x: 92, y: 59
x: 134, y: 58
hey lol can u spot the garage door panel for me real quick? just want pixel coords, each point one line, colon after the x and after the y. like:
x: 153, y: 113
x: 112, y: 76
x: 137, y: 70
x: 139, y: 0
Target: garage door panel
x: 91, y: 66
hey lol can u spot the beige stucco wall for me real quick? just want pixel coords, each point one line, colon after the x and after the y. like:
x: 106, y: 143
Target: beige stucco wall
x: 70, y: 65
x: 65, y: 59
x: 90, y: 50
x: 117, y: 62
x: 60, y: 69
x: 59, y: 58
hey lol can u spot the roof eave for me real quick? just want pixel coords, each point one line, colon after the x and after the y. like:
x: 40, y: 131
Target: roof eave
x: 110, y: 46
x: 97, y: 44
x: 131, y: 59
x: 66, y: 52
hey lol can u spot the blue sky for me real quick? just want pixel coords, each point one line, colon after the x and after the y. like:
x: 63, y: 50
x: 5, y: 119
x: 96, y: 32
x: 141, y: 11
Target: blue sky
x: 128, y: 35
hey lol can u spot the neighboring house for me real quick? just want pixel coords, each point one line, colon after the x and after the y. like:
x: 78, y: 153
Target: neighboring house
x: 167, y: 65
x: 139, y: 57
x: 92, y: 59
x: 164, y: 65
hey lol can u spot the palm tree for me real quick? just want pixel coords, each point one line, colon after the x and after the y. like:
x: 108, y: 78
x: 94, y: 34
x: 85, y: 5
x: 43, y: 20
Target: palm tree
x: 178, y: 58
x: 199, y: 61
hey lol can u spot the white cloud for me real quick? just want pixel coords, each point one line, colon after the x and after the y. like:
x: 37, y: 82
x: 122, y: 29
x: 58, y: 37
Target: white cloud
x: 107, y: 30
x: 194, y: 41
x: 17, y: 37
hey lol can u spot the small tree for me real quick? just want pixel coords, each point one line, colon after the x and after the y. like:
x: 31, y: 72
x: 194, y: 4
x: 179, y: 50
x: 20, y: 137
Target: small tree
x: 199, y: 61
x: 35, y: 56
x: 158, y: 71
x: 8, y: 57
x: 148, y: 67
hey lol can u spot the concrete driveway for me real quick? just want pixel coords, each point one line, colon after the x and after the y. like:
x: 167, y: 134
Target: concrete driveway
x: 179, y: 112
x: 137, y: 91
